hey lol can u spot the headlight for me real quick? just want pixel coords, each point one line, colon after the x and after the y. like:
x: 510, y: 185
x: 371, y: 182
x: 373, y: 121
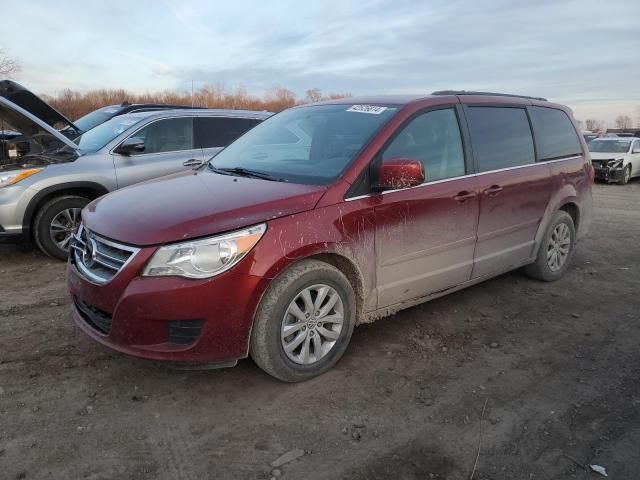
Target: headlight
x: 204, y: 258
x: 615, y: 163
x: 7, y: 179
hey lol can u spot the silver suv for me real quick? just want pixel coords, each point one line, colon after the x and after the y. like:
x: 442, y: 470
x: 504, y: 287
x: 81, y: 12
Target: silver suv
x: 46, y: 178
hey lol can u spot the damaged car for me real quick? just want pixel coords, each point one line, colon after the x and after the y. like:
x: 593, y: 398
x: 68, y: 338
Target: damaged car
x: 326, y: 216
x: 46, y: 178
x: 616, y: 159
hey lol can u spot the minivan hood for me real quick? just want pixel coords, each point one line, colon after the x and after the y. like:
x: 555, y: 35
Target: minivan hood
x: 194, y: 204
x: 33, y: 104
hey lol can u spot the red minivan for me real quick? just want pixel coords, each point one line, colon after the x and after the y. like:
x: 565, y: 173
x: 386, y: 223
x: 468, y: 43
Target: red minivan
x: 326, y: 216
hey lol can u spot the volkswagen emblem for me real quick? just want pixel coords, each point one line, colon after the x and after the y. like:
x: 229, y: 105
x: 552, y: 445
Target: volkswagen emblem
x: 89, y: 252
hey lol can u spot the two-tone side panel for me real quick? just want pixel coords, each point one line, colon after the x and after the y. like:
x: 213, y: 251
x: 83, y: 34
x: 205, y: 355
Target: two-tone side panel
x: 425, y: 235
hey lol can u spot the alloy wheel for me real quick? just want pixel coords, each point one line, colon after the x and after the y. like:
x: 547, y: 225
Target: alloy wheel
x: 312, y: 324
x: 559, y: 246
x: 62, y: 227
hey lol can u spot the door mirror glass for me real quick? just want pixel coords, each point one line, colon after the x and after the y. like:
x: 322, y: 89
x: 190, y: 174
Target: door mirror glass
x: 131, y: 145
x: 399, y: 173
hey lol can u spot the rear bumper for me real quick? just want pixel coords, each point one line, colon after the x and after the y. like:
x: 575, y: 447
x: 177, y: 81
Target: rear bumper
x: 169, y: 318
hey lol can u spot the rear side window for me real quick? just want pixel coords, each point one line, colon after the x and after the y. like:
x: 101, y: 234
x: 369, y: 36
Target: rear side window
x: 555, y: 135
x: 434, y: 139
x: 221, y: 131
x: 500, y: 137
x: 168, y: 135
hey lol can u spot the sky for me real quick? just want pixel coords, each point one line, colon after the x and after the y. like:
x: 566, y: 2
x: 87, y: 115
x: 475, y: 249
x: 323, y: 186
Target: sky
x: 585, y: 54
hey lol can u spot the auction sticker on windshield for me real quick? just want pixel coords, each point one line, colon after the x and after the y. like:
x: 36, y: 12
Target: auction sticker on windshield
x: 373, y: 109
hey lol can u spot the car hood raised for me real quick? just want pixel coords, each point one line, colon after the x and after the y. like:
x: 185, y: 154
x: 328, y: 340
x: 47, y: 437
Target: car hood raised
x: 194, y: 204
x: 28, y: 124
x: 33, y: 104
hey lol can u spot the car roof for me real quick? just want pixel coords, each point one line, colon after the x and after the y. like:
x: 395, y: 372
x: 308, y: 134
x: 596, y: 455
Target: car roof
x: 407, y: 99
x: 200, y: 112
x: 373, y: 99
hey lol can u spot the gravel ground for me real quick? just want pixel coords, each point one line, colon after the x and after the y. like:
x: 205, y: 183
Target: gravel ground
x: 556, y: 365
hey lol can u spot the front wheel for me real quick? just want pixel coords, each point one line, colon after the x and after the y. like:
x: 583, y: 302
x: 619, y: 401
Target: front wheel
x: 56, y: 222
x: 304, y: 322
x: 556, y: 249
x: 626, y: 175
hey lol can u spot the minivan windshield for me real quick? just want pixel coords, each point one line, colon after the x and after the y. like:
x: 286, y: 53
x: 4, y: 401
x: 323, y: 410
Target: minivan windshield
x: 609, y: 146
x: 310, y: 145
x: 98, y: 137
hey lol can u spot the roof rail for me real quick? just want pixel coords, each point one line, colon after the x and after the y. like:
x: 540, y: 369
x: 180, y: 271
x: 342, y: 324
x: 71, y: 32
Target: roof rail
x: 493, y: 94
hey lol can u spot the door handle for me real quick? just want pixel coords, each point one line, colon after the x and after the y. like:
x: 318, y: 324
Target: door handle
x: 493, y: 190
x: 464, y: 196
x: 192, y: 162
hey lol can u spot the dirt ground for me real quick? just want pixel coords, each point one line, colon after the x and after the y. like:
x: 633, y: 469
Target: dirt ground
x: 557, y: 365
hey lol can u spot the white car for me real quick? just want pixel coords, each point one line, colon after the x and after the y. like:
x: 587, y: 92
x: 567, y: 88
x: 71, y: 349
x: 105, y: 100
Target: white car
x: 616, y: 159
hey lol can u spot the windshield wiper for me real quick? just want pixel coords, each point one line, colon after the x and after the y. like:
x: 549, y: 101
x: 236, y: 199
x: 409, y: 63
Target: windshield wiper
x: 246, y: 172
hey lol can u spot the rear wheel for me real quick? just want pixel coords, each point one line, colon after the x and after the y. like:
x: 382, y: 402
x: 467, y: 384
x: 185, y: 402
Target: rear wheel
x: 555, y: 250
x: 56, y: 222
x: 304, y: 322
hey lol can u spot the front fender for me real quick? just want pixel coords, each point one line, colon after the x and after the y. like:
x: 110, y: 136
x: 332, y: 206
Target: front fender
x: 344, y: 230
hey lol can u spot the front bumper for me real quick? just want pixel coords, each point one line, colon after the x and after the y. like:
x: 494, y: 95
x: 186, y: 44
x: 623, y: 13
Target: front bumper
x: 12, y: 200
x: 140, y: 316
x: 608, y: 174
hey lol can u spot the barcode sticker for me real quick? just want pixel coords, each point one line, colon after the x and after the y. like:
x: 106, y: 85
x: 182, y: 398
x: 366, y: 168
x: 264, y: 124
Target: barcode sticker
x: 372, y: 109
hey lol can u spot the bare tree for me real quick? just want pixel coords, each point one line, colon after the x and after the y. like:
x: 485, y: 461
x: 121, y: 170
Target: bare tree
x: 623, y: 122
x: 8, y: 65
x: 314, y: 95
x: 592, y: 124
x: 580, y: 124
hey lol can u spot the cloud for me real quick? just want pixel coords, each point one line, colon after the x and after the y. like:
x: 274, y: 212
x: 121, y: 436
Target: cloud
x: 572, y: 51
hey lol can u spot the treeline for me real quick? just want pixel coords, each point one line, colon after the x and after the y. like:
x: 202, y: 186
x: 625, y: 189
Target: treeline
x: 74, y: 104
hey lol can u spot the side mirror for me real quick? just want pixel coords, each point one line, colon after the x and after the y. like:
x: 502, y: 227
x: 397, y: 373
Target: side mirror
x: 400, y: 173
x: 131, y: 145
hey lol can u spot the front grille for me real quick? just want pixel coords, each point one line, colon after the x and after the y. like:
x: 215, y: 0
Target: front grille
x: 96, y: 318
x: 98, y: 259
x: 601, y: 163
x: 184, y: 332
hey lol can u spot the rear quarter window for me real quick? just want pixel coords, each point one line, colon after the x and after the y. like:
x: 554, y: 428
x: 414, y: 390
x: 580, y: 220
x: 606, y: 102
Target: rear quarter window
x: 221, y: 131
x: 554, y: 132
x: 500, y: 137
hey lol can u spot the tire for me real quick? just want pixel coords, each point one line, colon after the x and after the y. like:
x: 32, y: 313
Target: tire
x: 543, y: 267
x: 267, y: 347
x: 626, y: 176
x: 42, y: 224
